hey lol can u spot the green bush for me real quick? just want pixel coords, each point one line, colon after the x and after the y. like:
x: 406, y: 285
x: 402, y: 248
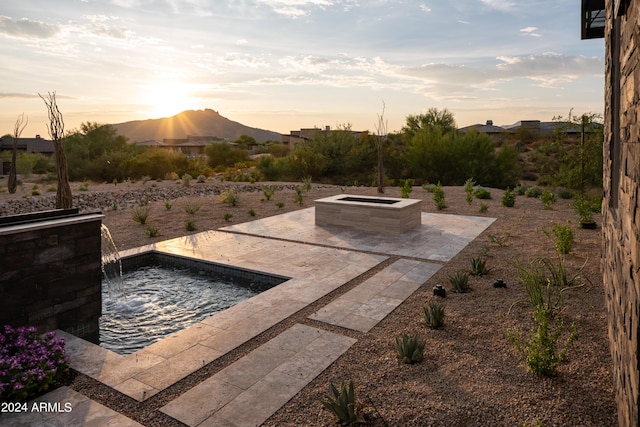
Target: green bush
x: 563, y: 238
x: 343, y: 404
x: 434, y: 315
x: 508, y: 199
x: 479, y: 267
x: 438, y: 197
x: 521, y: 189
x: 299, y: 196
x: 410, y: 349
x: 460, y: 282
x: 252, y: 212
x: 469, y: 184
x: 484, y: 207
x: 141, y: 214
x: 228, y: 216
x: 533, y: 192
x: 406, y: 188
x: 540, y: 349
x: 566, y: 194
x: 168, y: 205
x: 268, y: 191
x: 190, y: 225
x: 152, y: 231
x: 548, y: 199
x: 192, y: 208
x: 482, y: 193
x: 429, y: 187
x: 280, y: 204
x: 230, y: 197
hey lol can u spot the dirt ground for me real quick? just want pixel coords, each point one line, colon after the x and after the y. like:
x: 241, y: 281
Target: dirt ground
x: 471, y: 374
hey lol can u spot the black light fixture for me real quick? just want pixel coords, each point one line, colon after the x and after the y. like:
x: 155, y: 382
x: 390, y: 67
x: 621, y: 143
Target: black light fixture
x: 593, y: 19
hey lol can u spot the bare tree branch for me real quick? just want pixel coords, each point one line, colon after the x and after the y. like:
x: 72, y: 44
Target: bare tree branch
x: 21, y: 124
x: 381, y: 131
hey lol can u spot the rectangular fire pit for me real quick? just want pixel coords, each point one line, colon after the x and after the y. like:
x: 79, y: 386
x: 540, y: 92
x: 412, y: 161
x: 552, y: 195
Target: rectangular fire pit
x: 377, y: 214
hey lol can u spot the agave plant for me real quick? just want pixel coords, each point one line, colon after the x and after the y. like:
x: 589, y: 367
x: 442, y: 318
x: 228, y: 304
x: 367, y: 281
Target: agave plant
x: 342, y: 404
x: 460, y: 282
x: 479, y: 267
x: 410, y: 349
x: 434, y: 315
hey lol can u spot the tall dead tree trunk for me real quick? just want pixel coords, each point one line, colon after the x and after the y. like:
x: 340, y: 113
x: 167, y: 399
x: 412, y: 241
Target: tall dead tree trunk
x: 381, y: 139
x: 21, y: 124
x: 56, y: 132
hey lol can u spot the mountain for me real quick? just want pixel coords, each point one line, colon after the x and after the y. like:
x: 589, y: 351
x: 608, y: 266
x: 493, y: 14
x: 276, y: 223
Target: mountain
x: 191, y: 122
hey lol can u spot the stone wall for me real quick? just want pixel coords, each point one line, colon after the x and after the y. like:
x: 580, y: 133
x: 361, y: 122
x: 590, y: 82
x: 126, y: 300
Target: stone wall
x: 621, y: 216
x: 50, y: 275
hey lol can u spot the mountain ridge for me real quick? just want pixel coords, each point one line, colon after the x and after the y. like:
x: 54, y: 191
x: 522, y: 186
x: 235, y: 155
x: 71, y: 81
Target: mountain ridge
x: 205, y: 122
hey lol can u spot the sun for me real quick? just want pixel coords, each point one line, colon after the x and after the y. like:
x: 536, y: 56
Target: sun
x: 167, y: 98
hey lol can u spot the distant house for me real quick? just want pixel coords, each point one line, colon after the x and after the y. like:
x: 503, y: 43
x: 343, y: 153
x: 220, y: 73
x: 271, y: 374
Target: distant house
x: 192, y: 146
x: 535, y: 128
x: 306, y: 134
x: 495, y: 132
x: 29, y: 145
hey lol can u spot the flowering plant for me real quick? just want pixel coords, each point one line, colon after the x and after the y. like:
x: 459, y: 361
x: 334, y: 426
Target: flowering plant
x: 29, y: 362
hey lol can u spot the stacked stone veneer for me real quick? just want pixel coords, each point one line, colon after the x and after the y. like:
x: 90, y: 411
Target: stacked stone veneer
x: 50, y: 274
x: 398, y: 217
x: 621, y: 216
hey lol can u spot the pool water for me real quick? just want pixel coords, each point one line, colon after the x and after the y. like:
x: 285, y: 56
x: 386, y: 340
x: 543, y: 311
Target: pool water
x: 159, y: 301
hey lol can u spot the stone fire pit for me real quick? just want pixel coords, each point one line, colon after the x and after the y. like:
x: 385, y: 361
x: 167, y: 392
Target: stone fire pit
x: 386, y: 215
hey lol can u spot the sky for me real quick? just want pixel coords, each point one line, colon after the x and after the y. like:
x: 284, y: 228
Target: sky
x: 283, y: 65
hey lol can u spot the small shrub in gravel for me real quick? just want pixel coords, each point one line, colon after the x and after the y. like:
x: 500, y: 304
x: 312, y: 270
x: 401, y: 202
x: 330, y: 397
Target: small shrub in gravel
x: 192, y: 208
x: 280, y: 204
x: 460, y: 282
x: 479, y: 267
x: 509, y: 198
x: 228, y: 216
x: 152, y: 231
x: 562, y: 237
x: 468, y: 189
x: 190, y: 225
x: 566, y: 194
x: 484, y: 207
x: 548, y: 199
x: 342, y: 403
x: 230, y: 197
x: 438, y: 197
x: 434, y: 315
x: 410, y: 350
x: 533, y: 192
x: 520, y: 189
x: 482, y: 193
x: 252, y: 212
x: 299, y: 196
x: 141, y: 214
x: 428, y: 187
x: 268, y: 191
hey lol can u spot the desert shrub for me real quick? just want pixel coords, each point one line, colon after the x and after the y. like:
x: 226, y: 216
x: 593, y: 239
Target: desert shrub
x: 406, y: 188
x: 540, y: 350
x: 299, y: 196
x: 268, y: 191
x: 438, y: 197
x: 563, y: 237
x: 484, y: 207
x: 202, y: 179
x: 508, y: 198
x: 434, y: 315
x: 152, y: 230
x: 565, y: 193
x: 186, y: 179
x: 35, y: 191
x: 343, y: 404
x: 84, y: 186
x: 230, y: 197
x: 140, y: 214
x: 30, y: 363
x: 534, y: 191
x: 251, y: 212
x: 190, y: 225
x: 228, y: 216
x: 468, y: 189
x: 482, y: 193
x: 548, y: 199
x: 223, y: 154
x: 410, y: 349
x: 479, y: 267
x: 429, y: 187
x: 460, y: 282
x: 280, y: 204
x: 192, y: 208
x: 521, y: 189
x: 168, y: 205
x: 306, y: 183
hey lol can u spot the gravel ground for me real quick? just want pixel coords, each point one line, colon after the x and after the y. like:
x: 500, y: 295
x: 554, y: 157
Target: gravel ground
x: 471, y: 374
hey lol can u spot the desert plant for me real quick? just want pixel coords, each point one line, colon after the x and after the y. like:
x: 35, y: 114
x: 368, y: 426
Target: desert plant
x: 268, y: 191
x: 251, y: 212
x: 152, y: 230
x: 520, y: 189
x: 438, y: 197
x: 482, y: 193
x: 202, y: 179
x: 499, y: 239
x: 429, y: 187
x: 540, y: 349
x: 141, y: 214
x: 190, y: 225
x: 584, y: 210
x: 228, y: 216
x: 115, y: 181
x: 343, y: 404
x: 280, y: 204
x: 114, y: 205
x: 84, y: 186
x: 145, y: 179
x: 406, y: 188
x: 460, y: 282
x: 306, y: 183
x: 468, y: 189
x: 168, y: 205
x: 186, y: 179
x: 410, y: 349
x: 479, y: 267
x: 565, y: 193
x: 563, y: 237
x: 192, y: 208
x: 35, y: 191
x: 533, y: 192
x: 434, y: 315
x: 509, y: 198
x: 299, y: 196
x: 483, y: 207
x: 144, y: 201
x: 548, y: 199
x: 230, y: 197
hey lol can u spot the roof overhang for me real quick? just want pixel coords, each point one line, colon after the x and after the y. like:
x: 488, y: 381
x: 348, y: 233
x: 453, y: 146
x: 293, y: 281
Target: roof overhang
x: 593, y: 18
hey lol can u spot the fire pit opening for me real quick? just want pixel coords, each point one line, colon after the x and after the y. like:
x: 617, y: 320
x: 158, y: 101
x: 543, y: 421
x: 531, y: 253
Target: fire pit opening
x: 369, y: 200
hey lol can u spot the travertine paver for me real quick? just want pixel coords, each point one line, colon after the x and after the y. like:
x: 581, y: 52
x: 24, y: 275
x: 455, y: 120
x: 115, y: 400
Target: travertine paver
x: 439, y: 238
x: 314, y: 271
x: 64, y: 407
x: 250, y: 390
x: 367, y: 304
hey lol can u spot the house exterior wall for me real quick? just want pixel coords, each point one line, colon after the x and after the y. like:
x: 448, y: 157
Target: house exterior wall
x: 621, y: 216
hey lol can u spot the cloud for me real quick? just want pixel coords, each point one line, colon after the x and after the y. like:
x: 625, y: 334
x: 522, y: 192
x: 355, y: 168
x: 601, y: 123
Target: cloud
x: 530, y: 31
x: 502, y: 5
x: 425, y: 8
x: 17, y: 95
x: 299, y: 8
x: 102, y: 26
x: 26, y: 28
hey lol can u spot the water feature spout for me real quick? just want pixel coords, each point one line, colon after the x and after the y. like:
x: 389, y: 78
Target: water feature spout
x: 111, y: 263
